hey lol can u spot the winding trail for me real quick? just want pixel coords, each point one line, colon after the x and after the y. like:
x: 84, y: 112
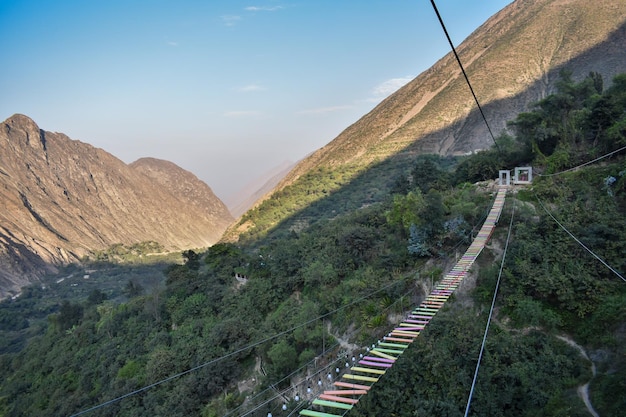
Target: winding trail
x: 583, y: 390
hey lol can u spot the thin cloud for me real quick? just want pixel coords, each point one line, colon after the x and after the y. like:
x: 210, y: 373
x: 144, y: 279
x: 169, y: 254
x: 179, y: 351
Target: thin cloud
x: 390, y: 86
x: 242, y: 113
x: 170, y: 43
x: 230, y: 20
x: 321, y: 110
x: 251, y: 88
x: 263, y: 8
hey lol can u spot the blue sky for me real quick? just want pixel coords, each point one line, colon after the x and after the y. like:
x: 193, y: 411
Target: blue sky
x: 225, y: 89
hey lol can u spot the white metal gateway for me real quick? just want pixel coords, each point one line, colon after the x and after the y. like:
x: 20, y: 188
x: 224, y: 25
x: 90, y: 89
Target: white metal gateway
x: 521, y: 175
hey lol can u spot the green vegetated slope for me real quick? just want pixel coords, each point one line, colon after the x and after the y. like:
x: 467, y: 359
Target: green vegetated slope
x: 225, y: 346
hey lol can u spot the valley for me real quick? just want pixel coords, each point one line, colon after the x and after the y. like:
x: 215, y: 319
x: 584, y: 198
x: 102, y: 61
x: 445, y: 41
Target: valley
x: 148, y: 298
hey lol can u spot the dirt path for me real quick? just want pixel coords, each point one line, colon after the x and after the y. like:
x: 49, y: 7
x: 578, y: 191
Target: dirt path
x: 583, y: 390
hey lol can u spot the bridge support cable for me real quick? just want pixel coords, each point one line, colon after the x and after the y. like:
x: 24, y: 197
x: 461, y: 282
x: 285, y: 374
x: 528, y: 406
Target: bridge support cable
x: 579, y: 242
x: 324, y: 372
x: 233, y: 353
x: 583, y: 164
x: 493, y: 303
x: 377, y: 360
x: 443, y: 26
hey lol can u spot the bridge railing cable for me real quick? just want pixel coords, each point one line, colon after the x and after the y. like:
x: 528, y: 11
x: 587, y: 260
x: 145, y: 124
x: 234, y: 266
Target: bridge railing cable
x: 579, y: 242
x: 443, y: 26
x: 583, y: 164
x: 233, y: 353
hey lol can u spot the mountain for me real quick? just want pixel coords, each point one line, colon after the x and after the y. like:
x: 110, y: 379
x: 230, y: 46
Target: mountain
x: 254, y: 191
x: 62, y: 198
x: 188, y: 190
x: 512, y: 60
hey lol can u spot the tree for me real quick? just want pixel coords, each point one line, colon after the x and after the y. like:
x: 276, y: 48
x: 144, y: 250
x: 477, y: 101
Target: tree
x: 133, y: 289
x: 560, y: 118
x: 405, y: 209
x: 181, y: 280
x: 68, y: 316
x: 481, y: 166
x: 283, y: 359
x: 607, y: 118
x: 432, y: 214
x: 96, y: 297
x: 192, y: 259
x: 426, y: 173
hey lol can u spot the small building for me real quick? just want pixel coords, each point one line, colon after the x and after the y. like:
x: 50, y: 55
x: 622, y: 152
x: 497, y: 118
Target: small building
x: 242, y: 279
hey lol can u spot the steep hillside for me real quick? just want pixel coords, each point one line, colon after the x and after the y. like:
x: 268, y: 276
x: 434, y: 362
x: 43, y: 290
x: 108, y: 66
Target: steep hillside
x: 512, y: 60
x: 257, y: 189
x: 62, y: 198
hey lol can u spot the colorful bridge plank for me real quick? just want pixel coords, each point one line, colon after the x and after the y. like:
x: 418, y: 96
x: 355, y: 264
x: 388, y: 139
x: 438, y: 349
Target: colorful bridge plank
x: 312, y: 413
x: 376, y: 364
x: 338, y: 399
x: 397, y: 339
x: 376, y: 359
x: 332, y: 404
x: 347, y: 392
x: 351, y: 385
x: 366, y: 370
x: 388, y: 351
x: 377, y: 352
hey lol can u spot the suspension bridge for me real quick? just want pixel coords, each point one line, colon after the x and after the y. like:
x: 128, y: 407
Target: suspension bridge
x: 370, y: 368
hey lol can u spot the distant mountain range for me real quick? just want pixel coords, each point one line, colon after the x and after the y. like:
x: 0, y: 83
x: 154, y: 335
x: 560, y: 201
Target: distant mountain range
x: 257, y: 189
x: 61, y: 199
x: 513, y: 60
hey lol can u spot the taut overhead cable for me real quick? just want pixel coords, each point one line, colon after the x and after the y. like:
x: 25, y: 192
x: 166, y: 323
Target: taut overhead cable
x: 443, y: 26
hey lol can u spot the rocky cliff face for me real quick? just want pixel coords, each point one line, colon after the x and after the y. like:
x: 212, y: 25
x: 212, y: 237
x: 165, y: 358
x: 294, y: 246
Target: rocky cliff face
x: 61, y: 198
x: 188, y: 190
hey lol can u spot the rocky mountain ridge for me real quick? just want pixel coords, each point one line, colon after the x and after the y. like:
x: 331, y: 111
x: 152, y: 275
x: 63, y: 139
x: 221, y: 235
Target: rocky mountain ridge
x: 62, y: 198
